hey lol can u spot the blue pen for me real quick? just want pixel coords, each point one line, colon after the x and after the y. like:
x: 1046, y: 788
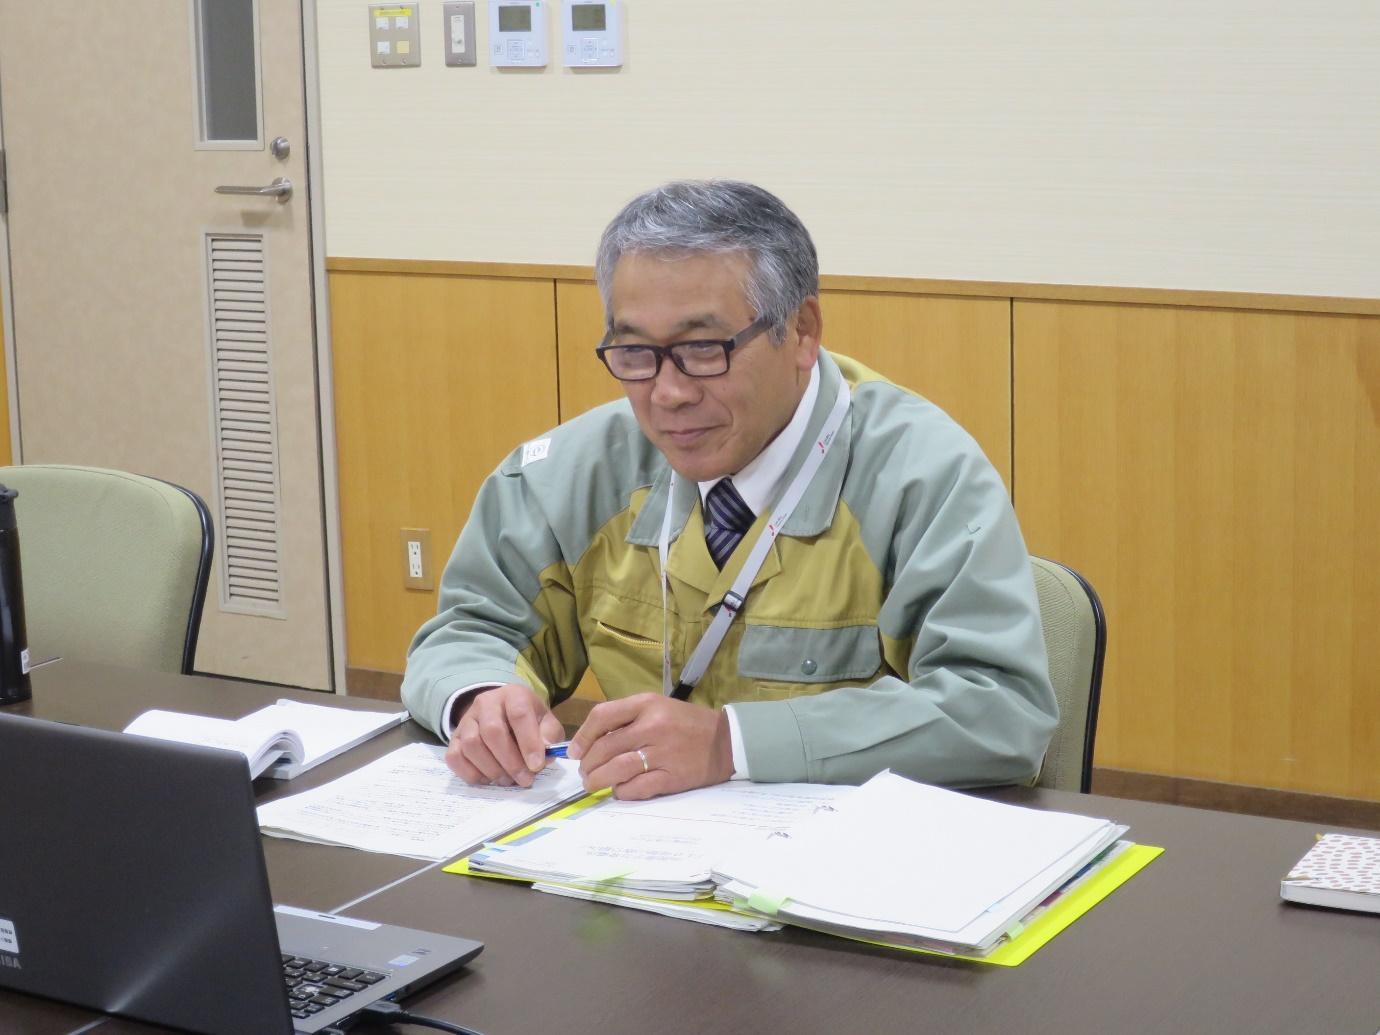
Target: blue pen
x: 557, y: 750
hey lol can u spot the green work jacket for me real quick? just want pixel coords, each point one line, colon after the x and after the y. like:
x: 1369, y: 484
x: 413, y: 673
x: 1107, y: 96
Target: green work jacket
x: 894, y: 623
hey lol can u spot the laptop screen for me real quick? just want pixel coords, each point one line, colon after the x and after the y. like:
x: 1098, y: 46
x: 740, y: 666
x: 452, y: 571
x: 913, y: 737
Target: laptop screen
x: 134, y: 881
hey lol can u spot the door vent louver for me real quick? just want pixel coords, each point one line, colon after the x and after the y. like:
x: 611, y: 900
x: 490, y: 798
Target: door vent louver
x: 245, y: 424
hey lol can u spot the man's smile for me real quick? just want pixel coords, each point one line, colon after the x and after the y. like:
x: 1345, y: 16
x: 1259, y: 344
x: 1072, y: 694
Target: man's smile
x: 687, y: 436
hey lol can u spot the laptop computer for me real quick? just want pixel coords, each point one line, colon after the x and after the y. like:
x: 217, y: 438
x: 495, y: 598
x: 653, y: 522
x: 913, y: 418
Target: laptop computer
x: 132, y: 881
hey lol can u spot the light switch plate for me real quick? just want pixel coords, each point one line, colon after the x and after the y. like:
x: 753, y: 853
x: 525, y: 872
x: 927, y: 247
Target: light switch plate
x: 395, y: 35
x: 457, y: 30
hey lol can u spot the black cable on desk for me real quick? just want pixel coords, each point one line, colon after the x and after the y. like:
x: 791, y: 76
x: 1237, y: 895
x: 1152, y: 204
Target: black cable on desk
x: 392, y: 1013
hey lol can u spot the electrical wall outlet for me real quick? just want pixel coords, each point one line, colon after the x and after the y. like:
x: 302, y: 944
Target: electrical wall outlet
x: 416, y: 557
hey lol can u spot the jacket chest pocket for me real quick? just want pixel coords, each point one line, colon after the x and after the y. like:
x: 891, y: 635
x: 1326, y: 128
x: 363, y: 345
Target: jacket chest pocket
x: 626, y: 637
x: 623, y: 643
x: 791, y: 662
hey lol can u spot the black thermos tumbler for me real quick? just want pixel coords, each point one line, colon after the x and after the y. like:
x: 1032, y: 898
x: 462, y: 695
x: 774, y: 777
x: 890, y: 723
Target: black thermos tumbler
x: 14, y: 644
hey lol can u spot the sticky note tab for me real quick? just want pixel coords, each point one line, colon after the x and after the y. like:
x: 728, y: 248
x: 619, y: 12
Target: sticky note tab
x: 612, y: 875
x: 766, y: 901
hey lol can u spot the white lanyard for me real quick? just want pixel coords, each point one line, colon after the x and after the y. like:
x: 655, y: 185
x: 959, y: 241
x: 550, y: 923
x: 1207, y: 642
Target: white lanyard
x: 734, y: 598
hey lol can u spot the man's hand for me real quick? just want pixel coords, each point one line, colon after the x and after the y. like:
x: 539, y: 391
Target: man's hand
x: 651, y: 744
x: 501, y: 736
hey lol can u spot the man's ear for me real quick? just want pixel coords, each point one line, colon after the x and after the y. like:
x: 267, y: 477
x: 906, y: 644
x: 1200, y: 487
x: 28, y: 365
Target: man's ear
x: 809, y: 331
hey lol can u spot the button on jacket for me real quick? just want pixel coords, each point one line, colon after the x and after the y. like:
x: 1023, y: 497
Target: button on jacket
x: 894, y: 623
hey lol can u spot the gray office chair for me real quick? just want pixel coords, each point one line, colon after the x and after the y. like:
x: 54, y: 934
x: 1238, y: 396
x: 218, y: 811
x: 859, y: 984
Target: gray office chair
x: 1076, y: 638
x: 115, y: 565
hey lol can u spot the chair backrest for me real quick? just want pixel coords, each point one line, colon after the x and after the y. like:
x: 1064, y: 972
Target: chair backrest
x: 114, y: 565
x: 1076, y: 639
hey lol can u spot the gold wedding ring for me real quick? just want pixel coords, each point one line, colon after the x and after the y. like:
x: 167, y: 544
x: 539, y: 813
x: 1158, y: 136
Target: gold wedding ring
x: 643, y: 755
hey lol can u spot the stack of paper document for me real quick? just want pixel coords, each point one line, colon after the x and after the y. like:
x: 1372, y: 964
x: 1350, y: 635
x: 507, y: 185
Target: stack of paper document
x: 906, y: 864
x: 409, y: 803
x: 701, y: 911
x: 655, y: 855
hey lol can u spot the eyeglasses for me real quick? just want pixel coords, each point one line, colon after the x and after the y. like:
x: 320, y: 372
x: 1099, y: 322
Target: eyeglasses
x: 692, y: 358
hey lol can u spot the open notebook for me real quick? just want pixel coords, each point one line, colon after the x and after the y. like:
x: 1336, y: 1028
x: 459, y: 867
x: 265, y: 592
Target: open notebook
x: 281, y: 741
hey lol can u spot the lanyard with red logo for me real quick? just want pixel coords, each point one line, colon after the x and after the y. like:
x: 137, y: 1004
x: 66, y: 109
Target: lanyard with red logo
x: 735, y: 597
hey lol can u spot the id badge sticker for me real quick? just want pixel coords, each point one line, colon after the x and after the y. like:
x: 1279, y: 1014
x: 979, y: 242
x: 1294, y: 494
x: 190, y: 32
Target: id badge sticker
x: 537, y: 449
x: 9, y: 938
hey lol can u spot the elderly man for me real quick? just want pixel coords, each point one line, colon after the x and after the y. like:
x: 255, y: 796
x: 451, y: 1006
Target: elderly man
x: 779, y: 565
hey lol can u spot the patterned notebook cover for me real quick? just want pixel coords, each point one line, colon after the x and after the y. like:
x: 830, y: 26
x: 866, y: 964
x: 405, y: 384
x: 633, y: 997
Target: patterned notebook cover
x: 1340, y: 862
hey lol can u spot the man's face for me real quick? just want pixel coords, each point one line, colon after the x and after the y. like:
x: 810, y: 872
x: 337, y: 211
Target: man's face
x: 708, y: 427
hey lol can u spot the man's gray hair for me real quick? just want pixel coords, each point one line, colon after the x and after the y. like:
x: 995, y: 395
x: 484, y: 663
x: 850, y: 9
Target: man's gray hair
x: 719, y: 216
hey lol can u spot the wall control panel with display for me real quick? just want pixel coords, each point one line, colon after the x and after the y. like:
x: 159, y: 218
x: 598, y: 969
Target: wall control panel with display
x: 517, y: 33
x: 592, y: 32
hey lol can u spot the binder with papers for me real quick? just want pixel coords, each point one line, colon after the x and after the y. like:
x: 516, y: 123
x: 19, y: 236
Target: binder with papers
x: 926, y: 868
x: 894, y: 863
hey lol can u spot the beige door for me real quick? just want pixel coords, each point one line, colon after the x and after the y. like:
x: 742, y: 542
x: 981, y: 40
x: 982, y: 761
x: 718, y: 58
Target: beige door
x: 162, y: 327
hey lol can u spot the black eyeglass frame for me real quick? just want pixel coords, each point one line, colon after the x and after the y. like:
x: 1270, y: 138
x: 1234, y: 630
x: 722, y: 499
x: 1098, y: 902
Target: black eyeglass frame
x: 752, y: 330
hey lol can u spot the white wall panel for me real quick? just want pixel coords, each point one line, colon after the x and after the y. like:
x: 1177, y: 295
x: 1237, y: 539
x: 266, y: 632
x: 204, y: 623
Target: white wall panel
x: 1226, y: 146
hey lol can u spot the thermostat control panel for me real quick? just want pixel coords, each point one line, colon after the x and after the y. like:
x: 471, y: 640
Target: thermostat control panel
x: 592, y: 33
x: 517, y: 33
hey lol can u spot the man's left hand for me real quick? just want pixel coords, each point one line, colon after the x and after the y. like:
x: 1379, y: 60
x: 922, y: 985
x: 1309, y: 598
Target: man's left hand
x: 651, y: 744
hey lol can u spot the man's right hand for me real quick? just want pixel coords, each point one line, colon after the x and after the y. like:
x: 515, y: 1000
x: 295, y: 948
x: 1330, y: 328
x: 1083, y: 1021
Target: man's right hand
x: 501, y: 736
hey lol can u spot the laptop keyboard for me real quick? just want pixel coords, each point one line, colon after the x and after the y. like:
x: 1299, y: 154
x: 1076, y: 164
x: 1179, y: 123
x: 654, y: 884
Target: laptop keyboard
x: 313, y: 985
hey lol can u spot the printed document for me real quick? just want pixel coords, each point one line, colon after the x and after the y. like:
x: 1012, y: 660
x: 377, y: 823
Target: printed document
x: 409, y: 803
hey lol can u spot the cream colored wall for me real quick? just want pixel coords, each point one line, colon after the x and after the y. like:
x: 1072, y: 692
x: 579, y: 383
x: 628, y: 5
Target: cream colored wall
x: 1225, y: 146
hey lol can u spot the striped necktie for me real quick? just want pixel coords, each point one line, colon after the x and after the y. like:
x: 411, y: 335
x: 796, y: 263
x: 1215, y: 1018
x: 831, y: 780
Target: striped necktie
x: 727, y: 518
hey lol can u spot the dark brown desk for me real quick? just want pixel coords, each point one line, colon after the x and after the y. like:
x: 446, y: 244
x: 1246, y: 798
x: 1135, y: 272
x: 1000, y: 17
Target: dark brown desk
x: 1198, y: 942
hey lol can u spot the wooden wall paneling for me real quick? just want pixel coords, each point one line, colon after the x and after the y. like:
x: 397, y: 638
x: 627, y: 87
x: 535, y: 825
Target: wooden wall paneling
x: 956, y: 352
x: 427, y: 404
x: 931, y: 286
x: 579, y: 329
x: 1365, y: 586
x: 1216, y: 475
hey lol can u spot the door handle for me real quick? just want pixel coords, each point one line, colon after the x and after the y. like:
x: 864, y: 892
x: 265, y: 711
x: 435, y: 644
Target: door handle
x: 280, y: 188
